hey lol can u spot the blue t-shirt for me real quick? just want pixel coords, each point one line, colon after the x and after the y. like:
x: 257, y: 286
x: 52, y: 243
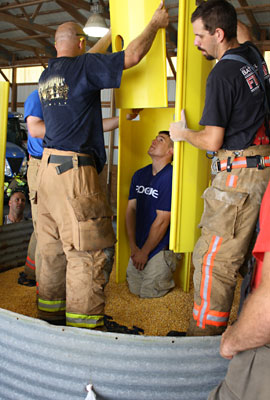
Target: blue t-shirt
x: 32, y: 106
x: 152, y: 193
x: 69, y: 90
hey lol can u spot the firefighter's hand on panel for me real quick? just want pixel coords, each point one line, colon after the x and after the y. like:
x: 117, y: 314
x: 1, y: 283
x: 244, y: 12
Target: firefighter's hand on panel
x: 133, y: 114
x: 178, y: 129
x: 161, y: 17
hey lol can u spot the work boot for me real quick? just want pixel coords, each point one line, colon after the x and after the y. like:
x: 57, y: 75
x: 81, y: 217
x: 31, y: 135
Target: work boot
x: 114, y: 327
x: 176, y: 333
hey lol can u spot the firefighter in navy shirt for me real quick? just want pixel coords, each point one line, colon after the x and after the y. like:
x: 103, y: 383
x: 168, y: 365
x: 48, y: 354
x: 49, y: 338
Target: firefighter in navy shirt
x: 73, y: 214
x: 234, y: 117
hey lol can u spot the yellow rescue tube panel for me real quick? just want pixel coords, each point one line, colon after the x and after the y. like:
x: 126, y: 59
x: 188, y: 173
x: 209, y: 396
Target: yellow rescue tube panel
x: 145, y: 85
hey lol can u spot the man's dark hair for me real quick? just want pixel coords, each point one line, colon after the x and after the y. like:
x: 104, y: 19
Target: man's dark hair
x: 164, y: 132
x: 167, y: 133
x: 17, y: 190
x: 217, y: 14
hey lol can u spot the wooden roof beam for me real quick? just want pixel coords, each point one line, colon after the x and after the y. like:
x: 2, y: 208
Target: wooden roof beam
x: 36, y: 12
x: 31, y: 37
x: 48, y: 47
x: 85, y: 5
x: 5, y: 54
x: 251, y: 18
x: 26, y: 4
x: 23, y: 10
x: 25, y: 24
x: 22, y: 46
x: 40, y: 60
x: 4, y: 76
x: 171, y: 64
x: 72, y: 11
x: 257, y: 8
x: 26, y: 62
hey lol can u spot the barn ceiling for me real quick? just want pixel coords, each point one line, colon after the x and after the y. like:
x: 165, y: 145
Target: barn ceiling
x: 27, y: 27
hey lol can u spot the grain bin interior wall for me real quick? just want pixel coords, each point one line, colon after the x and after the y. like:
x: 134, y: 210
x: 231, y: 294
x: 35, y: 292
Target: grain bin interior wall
x: 14, y: 239
x: 44, y: 362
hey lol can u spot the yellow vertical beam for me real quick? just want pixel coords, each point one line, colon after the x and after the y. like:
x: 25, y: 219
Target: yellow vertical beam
x: 4, y: 93
x: 179, y: 105
x: 191, y: 167
x: 144, y: 85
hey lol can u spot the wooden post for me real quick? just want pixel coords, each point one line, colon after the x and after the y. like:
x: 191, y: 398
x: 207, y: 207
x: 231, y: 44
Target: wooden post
x: 14, y: 89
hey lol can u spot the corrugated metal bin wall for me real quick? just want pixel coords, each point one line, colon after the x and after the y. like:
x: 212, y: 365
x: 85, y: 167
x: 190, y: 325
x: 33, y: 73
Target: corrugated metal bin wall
x: 44, y: 362
x: 14, y: 240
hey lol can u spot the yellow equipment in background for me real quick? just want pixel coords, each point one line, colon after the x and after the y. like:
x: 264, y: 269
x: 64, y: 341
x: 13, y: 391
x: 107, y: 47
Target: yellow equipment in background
x: 4, y: 93
x: 144, y: 85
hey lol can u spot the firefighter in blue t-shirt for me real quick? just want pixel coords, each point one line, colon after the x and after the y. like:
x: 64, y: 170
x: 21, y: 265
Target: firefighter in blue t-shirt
x: 151, y: 265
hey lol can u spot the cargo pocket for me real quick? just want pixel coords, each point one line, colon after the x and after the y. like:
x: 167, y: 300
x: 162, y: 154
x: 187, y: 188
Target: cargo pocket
x: 92, y: 228
x: 221, y: 209
x: 170, y: 259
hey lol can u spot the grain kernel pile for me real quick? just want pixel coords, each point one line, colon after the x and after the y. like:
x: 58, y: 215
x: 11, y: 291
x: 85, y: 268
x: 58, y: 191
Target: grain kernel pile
x: 156, y: 316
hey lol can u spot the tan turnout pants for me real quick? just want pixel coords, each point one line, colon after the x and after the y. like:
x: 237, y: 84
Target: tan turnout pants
x: 74, y: 232
x: 231, y: 208
x: 33, y: 261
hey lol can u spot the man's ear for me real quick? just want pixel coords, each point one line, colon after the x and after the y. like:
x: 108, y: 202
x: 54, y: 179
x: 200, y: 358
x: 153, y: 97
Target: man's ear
x: 170, y: 151
x: 81, y: 43
x: 220, y: 35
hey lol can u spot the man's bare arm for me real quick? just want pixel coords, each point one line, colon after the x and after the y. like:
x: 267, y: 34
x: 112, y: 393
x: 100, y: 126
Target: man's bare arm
x: 156, y: 233
x: 243, y: 33
x: 113, y: 122
x: 210, y: 138
x: 36, y: 127
x: 110, y: 124
x: 102, y: 45
x: 252, y: 329
x: 139, y: 47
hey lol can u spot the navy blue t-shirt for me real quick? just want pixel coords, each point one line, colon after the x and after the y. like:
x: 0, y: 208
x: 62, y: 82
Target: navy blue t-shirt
x: 69, y: 90
x: 152, y: 193
x: 235, y: 100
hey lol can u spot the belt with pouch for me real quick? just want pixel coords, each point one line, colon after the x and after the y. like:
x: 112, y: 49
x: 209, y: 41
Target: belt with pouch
x: 69, y: 162
x: 230, y: 163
